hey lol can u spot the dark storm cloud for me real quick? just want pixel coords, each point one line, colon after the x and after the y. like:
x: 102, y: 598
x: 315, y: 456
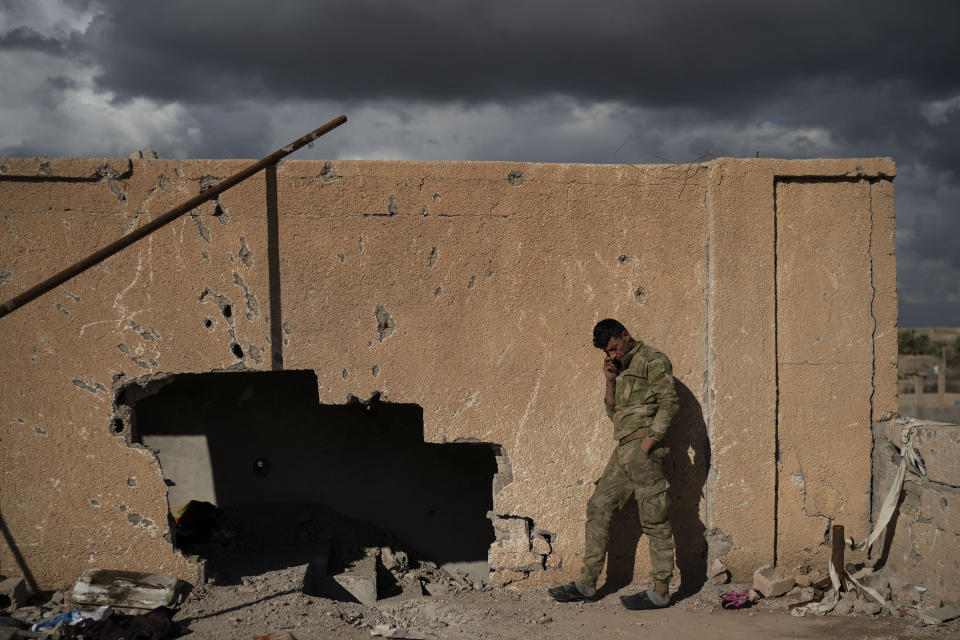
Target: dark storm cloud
x: 25, y: 38
x: 656, y: 53
x: 627, y: 81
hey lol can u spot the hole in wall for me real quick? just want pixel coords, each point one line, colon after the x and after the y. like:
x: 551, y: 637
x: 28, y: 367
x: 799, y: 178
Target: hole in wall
x: 288, y: 473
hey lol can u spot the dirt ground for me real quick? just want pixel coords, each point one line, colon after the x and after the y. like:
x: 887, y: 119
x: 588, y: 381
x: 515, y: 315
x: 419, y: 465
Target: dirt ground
x: 273, y: 602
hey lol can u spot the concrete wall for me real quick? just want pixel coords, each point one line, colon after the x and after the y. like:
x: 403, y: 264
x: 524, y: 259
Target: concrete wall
x: 923, y: 541
x: 470, y: 290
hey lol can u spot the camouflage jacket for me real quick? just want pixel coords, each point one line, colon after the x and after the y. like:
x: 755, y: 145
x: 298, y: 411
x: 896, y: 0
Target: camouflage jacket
x: 645, y: 394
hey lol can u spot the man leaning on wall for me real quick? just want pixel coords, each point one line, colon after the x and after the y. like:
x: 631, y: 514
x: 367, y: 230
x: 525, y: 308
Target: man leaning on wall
x: 641, y: 401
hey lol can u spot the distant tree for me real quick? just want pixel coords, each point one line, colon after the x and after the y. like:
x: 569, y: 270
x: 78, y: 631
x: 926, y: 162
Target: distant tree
x: 911, y: 344
x: 953, y: 353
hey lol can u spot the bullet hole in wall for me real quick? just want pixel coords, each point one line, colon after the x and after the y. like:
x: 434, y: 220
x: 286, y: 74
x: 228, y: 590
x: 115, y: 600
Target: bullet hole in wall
x: 237, y: 351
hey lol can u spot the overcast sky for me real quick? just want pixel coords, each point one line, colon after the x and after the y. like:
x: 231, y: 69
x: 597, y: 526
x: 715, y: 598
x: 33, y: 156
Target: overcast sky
x: 544, y: 81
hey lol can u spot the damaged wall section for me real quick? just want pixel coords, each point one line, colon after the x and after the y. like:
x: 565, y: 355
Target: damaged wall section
x: 921, y: 543
x: 246, y: 438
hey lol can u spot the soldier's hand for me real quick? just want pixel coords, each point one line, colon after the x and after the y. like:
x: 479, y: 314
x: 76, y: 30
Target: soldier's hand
x: 610, y: 369
x: 648, y: 444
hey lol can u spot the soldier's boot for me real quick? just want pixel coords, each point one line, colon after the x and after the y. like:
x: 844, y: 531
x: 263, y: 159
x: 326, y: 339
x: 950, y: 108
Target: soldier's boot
x: 573, y: 592
x: 659, y: 595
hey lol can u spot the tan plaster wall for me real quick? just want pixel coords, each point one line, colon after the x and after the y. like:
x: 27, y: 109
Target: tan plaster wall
x: 493, y: 275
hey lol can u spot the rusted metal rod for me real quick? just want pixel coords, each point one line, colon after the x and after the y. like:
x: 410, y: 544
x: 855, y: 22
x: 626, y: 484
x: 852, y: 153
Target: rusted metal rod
x: 124, y: 242
x: 837, y: 541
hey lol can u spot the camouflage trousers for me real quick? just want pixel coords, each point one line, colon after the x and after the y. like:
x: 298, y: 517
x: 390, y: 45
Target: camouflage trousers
x: 630, y: 471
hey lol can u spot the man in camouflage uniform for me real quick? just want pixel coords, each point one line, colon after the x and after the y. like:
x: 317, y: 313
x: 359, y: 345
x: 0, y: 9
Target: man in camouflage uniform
x: 641, y: 400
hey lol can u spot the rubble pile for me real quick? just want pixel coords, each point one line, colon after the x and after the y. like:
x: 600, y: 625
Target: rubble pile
x: 775, y: 589
x: 519, y: 549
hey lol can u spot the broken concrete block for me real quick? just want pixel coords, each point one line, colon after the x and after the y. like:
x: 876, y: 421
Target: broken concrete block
x: 13, y: 594
x: 721, y: 578
x: 715, y: 568
x: 30, y: 615
x: 868, y: 607
x: 844, y: 607
x: 125, y: 589
x: 503, y: 578
x: 358, y: 583
x: 394, y: 560
x: 513, y: 560
x: 540, y: 545
x: 941, y: 615
x: 771, y: 582
x: 512, y: 548
x: 360, y: 580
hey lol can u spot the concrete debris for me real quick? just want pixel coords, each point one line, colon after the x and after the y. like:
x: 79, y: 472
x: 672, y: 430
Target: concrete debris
x: 716, y: 568
x: 386, y: 631
x: 13, y: 594
x: 360, y: 580
x: 127, y: 589
x: 868, y: 607
x: 772, y: 582
x: 941, y: 615
x: 394, y: 560
x: 717, y: 573
x: 30, y: 615
x: 844, y: 607
x: 721, y: 578
x: 519, y: 548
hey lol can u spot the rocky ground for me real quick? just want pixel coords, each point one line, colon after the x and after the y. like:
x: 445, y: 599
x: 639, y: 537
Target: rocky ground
x: 256, y: 587
x: 273, y: 602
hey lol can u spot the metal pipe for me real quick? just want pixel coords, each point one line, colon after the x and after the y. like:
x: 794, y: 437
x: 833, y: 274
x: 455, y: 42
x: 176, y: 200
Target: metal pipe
x: 209, y: 194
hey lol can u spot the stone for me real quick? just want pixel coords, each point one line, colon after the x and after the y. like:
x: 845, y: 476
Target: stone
x: 505, y: 577
x: 541, y: 545
x: 844, y: 608
x: 500, y: 559
x: 28, y: 614
x: 553, y: 561
x: 877, y: 581
x: 13, y: 594
x: 436, y: 588
x: 394, y: 560
x: 771, y: 582
x: 868, y: 607
x: 720, y: 578
x: 941, y: 615
x: 803, y: 580
x: 716, y: 568
x: 360, y: 581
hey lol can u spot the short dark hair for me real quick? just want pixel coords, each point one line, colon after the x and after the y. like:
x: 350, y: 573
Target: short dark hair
x: 606, y: 329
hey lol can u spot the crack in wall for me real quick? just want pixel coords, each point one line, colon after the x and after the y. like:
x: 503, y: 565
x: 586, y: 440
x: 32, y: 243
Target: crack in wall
x: 873, y: 332
x: 776, y: 378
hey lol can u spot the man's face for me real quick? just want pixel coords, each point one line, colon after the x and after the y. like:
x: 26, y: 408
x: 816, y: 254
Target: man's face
x: 618, y: 346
